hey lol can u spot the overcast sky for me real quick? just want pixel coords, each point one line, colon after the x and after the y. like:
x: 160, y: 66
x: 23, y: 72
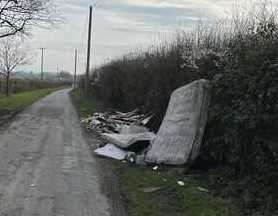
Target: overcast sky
x: 119, y: 26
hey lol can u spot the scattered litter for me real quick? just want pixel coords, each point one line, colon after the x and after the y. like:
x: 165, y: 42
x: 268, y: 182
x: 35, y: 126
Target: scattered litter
x: 180, y: 135
x: 155, y: 168
x: 130, y: 157
x: 151, y: 189
x: 32, y: 186
x: 203, y: 190
x: 181, y: 183
x: 111, y: 151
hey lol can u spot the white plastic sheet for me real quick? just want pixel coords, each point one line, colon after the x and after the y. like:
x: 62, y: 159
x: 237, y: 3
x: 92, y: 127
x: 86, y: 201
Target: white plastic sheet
x: 111, y: 151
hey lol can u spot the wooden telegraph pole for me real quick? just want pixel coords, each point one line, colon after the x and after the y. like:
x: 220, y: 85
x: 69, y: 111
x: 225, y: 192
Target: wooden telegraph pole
x: 57, y: 73
x: 88, y: 51
x: 75, y: 69
x: 42, y: 58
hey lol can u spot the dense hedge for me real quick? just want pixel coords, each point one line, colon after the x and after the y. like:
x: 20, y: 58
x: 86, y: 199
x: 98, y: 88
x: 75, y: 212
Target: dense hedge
x: 143, y: 80
x: 242, y: 65
x: 244, y: 115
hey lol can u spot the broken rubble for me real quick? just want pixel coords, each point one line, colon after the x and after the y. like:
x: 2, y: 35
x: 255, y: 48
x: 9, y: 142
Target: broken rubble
x: 125, y: 132
x: 117, y: 122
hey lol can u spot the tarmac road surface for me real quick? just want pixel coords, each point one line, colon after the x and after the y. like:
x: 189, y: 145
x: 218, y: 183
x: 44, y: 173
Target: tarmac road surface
x: 46, y: 168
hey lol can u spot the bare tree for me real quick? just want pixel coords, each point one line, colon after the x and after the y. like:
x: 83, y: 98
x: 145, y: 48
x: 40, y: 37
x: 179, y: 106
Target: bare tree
x: 64, y: 76
x: 17, y: 16
x: 12, y: 55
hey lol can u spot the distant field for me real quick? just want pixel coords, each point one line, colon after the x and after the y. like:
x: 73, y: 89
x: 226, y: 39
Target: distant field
x: 16, y: 102
x: 17, y: 85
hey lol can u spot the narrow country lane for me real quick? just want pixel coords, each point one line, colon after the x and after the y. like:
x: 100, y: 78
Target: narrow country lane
x: 46, y: 168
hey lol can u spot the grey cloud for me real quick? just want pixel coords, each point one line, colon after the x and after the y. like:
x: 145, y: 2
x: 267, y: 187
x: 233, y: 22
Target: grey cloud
x: 119, y: 26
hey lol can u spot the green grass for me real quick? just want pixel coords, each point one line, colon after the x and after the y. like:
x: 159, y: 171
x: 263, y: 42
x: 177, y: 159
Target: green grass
x: 85, y: 106
x: 17, y: 102
x: 171, y: 199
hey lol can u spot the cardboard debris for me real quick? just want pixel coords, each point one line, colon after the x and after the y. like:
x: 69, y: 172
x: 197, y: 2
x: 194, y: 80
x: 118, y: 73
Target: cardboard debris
x: 111, y: 151
x: 180, y: 135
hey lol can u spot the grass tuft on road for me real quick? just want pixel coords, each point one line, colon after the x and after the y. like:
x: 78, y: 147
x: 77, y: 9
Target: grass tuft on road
x: 17, y: 102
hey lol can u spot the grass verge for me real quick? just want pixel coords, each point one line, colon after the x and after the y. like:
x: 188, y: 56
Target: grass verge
x: 84, y: 106
x: 156, y: 193
x: 17, y: 102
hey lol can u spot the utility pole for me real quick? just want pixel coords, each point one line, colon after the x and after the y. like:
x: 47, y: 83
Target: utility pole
x: 42, y: 49
x: 75, y: 68
x: 88, y: 51
x: 57, y: 75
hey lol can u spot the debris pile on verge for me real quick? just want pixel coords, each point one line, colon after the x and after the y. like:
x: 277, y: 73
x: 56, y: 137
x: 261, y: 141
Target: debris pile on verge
x: 126, y: 134
x: 117, y: 122
x: 179, y: 137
